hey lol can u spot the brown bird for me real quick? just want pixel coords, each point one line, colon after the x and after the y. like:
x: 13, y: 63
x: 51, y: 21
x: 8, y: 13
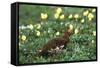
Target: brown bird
x: 56, y: 45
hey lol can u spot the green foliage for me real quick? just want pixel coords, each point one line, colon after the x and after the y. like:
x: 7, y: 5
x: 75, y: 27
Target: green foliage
x: 34, y: 32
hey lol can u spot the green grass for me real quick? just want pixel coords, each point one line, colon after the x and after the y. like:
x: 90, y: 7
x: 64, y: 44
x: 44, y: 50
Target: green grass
x: 82, y: 46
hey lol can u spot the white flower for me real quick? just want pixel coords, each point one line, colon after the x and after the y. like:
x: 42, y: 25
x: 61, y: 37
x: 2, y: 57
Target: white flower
x: 82, y: 20
x: 49, y: 31
x: 70, y: 16
x: 38, y: 26
x: 76, y: 31
x: 38, y: 33
x: 92, y: 41
x: 57, y: 33
x: 22, y: 27
x: 94, y: 33
x: 19, y: 44
x: 30, y: 26
x: 61, y: 23
x: 71, y: 26
x: 23, y: 37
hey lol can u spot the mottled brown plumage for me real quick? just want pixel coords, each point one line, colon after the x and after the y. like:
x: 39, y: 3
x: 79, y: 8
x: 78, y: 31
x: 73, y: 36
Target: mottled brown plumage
x: 55, y: 45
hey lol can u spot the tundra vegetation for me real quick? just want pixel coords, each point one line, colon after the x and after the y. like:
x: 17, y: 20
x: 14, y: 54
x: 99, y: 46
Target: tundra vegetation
x: 39, y: 24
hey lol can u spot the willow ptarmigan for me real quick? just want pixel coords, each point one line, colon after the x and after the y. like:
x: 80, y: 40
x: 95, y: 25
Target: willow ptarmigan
x: 57, y: 44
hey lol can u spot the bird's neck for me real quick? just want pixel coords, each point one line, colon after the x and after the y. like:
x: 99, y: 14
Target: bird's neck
x: 66, y: 35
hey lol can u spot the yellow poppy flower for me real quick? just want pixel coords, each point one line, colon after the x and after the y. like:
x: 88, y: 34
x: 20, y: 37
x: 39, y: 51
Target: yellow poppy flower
x: 62, y: 16
x: 23, y: 37
x: 90, y: 19
x: 85, y: 13
x: 59, y: 10
x: 38, y: 26
x: 56, y: 15
x: 90, y: 15
x: 94, y: 10
x: 70, y: 16
x: 38, y: 33
x: 76, y: 16
x: 44, y: 15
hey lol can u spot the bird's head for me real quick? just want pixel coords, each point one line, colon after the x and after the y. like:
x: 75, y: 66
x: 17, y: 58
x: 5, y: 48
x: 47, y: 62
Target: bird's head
x: 69, y: 31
